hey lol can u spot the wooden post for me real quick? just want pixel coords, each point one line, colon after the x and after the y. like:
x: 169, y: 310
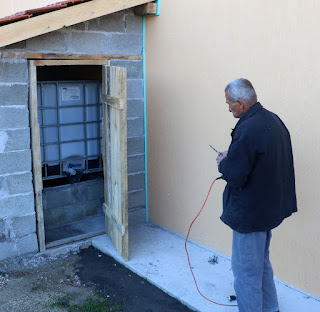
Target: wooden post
x: 146, y: 9
x: 36, y: 154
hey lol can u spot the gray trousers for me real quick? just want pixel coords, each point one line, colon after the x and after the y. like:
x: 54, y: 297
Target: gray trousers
x: 253, y: 274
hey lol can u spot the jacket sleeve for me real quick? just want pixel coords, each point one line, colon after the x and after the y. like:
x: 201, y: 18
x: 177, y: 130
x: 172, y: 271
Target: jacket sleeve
x: 238, y: 164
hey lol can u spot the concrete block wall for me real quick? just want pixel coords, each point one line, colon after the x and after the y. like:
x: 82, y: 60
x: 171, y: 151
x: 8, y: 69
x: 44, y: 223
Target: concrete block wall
x: 72, y: 202
x: 118, y: 33
x: 135, y: 135
x: 17, y: 214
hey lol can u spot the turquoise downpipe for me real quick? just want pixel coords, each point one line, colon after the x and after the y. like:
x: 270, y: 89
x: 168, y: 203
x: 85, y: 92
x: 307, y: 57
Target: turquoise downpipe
x: 145, y: 105
x: 145, y: 115
x: 158, y: 7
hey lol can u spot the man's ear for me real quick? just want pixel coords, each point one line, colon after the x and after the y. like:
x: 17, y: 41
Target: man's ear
x: 242, y: 103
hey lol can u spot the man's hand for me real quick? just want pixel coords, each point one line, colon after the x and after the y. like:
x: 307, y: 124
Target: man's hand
x: 222, y: 156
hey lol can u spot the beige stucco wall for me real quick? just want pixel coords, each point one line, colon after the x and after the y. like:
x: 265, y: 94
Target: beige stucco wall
x: 194, y: 48
x: 9, y: 7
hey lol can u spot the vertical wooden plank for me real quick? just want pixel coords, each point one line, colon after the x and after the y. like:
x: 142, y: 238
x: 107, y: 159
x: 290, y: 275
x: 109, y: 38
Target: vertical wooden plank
x: 36, y: 154
x: 104, y: 137
x: 117, y: 203
x: 106, y: 146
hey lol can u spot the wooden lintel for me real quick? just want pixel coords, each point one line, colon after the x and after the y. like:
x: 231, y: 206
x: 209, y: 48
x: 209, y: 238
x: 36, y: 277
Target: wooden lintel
x: 112, y: 101
x: 110, y: 214
x: 69, y: 62
x: 67, y: 56
x: 146, y: 9
x: 51, y: 21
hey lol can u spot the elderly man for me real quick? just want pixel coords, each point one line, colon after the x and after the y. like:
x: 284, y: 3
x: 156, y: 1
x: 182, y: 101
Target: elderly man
x: 259, y: 195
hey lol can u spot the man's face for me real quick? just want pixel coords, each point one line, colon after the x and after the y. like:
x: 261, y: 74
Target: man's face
x: 234, y: 107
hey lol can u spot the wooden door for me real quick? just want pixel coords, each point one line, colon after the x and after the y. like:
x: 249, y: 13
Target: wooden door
x: 114, y: 137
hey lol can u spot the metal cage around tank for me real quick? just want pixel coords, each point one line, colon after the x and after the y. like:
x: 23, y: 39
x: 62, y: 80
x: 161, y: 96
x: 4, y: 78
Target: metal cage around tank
x: 70, y: 119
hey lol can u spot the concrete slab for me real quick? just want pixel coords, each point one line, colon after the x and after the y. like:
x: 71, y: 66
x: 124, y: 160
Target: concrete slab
x: 159, y: 256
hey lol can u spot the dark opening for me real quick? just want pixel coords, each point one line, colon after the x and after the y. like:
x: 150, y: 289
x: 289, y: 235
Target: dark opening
x: 72, y: 203
x: 72, y: 72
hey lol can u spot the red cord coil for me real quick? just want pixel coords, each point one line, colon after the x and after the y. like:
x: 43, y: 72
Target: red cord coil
x: 185, y: 246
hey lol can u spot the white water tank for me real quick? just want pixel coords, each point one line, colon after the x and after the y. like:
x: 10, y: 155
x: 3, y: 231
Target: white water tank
x: 69, y: 115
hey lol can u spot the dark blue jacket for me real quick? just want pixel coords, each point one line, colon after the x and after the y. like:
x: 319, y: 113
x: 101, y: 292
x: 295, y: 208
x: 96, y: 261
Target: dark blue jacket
x: 260, y: 190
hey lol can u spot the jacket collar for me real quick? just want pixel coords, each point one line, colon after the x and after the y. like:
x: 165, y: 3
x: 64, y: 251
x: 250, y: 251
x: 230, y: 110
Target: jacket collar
x: 251, y: 111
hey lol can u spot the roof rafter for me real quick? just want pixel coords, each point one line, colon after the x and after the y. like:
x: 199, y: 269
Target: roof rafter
x: 66, y: 17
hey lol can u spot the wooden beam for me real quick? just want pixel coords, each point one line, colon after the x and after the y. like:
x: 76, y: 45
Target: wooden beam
x: 74, y: 239
x: 67, y: 56
x: 45, y: 23
x: 36, y: 155
x: 69, y: 62
x: 112, y: 101
x: 110, y: 214
x: 146, y: 9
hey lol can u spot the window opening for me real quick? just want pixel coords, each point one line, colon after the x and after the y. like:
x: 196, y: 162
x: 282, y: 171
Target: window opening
x: 70, y: 119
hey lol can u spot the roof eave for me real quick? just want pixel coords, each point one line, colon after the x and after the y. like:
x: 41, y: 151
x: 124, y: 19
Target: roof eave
x: 51, y: 21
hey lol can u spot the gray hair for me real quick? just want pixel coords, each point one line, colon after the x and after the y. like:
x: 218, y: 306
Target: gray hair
x: 241, y: 89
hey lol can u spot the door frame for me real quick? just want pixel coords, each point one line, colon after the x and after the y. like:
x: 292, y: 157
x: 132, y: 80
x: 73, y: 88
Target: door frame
x: 35, y: 139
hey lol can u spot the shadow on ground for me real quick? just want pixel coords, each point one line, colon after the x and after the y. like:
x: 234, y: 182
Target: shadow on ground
x: 117, y: 282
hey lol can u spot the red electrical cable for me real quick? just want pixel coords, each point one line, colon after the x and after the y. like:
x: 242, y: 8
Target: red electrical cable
x: 185, y: 246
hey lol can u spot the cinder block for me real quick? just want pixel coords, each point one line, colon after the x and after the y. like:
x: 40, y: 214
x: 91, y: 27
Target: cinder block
x: 137, y: 199
x: 2, y: 230
x: 15, y: 94
x: 94, y: 208
x: 136, y: 182
x: 18, y: 45
x: 134, y: 67
x: 54, y: 216
x: 3, y: 141
x: 76, y: 212
x: 133, y: 24
x: 135, y: 108
x: 18, y: 140
x: 136, y: 164
x: 19, y: 183
x: 135, y: 127
x: 53, y: 41
x: 59, y: 196
x: 72, y: 202
x: 7, y: 250
x: 17, y: 206
x: 26, y: 244
x: 89, y: 209
x: 80, y: 26
x: 135, y: 89
x: 15, y: 162
x: 108, y: 23
x: 13, y: 71
x: 15, y: 184
x: 23, y: 226
x: 3, y: 183
x: 104, y: 43
x: 94, y: 189
x: 89, y: 42
x: 135, y: 146
x: 126, y: 44
x: 14, y: 117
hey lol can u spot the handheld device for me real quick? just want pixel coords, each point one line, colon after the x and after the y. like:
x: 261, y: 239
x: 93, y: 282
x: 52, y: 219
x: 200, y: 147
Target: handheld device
x: 215, y: 150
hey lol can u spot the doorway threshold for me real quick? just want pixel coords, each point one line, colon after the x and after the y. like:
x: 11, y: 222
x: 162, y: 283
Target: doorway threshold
x: 75, y: 231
